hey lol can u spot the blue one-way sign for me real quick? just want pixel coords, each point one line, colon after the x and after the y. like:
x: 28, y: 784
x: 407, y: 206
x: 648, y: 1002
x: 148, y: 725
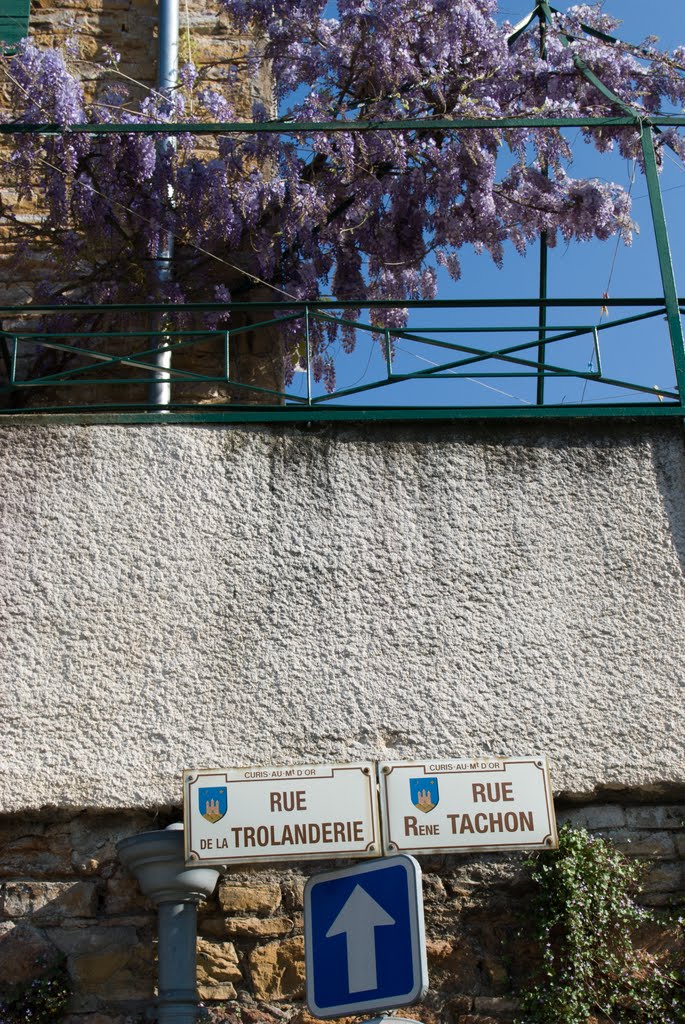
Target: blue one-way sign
x: 364, y: 938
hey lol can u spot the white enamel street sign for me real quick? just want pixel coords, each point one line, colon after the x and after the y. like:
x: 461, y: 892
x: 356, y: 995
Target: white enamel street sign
x: 364, y: 939
x: 481, y: 803
x: 291, y: 812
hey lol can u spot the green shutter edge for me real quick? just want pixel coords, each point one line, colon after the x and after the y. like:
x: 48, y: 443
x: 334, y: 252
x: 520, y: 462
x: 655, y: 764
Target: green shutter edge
x: 14, y: 20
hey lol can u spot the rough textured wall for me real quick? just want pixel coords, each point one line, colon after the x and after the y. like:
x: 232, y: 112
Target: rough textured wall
x: 190, y: 596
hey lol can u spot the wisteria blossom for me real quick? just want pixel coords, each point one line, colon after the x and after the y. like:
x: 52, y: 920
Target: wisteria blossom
x: 354, y: 215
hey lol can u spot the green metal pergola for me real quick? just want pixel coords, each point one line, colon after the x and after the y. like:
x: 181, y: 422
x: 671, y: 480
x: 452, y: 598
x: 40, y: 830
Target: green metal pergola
x: 533, y: 357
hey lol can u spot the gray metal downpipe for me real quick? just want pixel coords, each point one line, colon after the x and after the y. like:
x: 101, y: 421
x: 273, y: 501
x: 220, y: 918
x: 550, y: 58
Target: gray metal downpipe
x: 176, y: 946
x: 167, y: 79
x: 156, y: 860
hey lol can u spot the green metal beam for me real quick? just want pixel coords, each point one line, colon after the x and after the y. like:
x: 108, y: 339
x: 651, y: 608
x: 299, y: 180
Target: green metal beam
x: 285, y: 415
x: 332, y: 304
x: 302, y: 127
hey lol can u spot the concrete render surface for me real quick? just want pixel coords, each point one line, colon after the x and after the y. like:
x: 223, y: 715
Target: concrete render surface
x: 214, y: 596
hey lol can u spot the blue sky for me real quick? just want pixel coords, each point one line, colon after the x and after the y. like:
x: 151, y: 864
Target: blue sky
x: 639, y: 352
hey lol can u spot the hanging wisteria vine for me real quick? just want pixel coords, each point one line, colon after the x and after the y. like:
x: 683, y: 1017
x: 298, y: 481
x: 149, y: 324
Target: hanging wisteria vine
x: 353, y: 215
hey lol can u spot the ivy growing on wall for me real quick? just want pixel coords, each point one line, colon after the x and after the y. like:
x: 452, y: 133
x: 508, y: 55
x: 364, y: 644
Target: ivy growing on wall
x: 585, y: 920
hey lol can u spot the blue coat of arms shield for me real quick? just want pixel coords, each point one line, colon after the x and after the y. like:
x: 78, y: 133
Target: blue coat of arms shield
x: 424, y: 793
x: 213, y: 802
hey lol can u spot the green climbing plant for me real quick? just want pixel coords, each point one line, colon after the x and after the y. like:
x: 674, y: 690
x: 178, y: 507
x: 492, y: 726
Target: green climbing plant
x: 43, y: 1000
x: 586, y: 915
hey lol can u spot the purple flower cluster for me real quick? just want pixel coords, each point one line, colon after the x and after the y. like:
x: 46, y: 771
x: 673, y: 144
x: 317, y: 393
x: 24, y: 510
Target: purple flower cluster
x: 361, y: 214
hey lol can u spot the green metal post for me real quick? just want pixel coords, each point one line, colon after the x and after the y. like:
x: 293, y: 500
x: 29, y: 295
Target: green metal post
x: 308, y: 354
x: 542, y: 288
x: 542, y: 320
x: 598, y: 355
x: 663, y: 249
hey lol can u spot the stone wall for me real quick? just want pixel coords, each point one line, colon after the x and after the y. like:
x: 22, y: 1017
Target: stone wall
x: 63, y: 892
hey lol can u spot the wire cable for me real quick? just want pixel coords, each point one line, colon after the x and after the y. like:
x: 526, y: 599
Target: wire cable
x: 609, y: 280
x: 471, y: 380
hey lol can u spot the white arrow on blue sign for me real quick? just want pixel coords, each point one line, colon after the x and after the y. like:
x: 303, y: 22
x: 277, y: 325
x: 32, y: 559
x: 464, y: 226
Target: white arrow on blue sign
x: 365, y: 946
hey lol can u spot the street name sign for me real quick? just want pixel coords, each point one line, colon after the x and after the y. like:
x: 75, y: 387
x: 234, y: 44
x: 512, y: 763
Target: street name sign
x: 291, y: 812
x: 480, y: 803
x: 364, y: 938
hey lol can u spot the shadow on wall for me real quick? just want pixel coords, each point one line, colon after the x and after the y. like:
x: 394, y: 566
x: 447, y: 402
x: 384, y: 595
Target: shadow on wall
x: 64, y: 897
x: 669, y: 468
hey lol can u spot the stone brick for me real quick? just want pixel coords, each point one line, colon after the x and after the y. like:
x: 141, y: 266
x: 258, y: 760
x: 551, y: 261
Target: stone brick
x: 48, y: 902
x: 293, y: 894
x: 123, y: 896
x: 217, y: 970
x: 213, y: 926
x: 112, y: 970
x: 666, y: 877
x: 460, y: 1004
x: 36, y: 855
x: 594, y: 816
x: 496, y: 1005
x: 264, y: 1013
x: 277, y: 970
x: 433, y: 890
x: 449, y: 959
x: 111, y: 961
x: 75, y: 941
x: 258, y: 927
x: 93, y: 969
x: 24, y: 953
x: 658, y: 817
x: 72, y: 899
x: 304, y: 1017
x: 660, y: 938
x: 259, y: 899
x: 658, y: 899
x: 16, y: 899
x: 93, y: 839
x: 651, y: 846
x: 495, y: 975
